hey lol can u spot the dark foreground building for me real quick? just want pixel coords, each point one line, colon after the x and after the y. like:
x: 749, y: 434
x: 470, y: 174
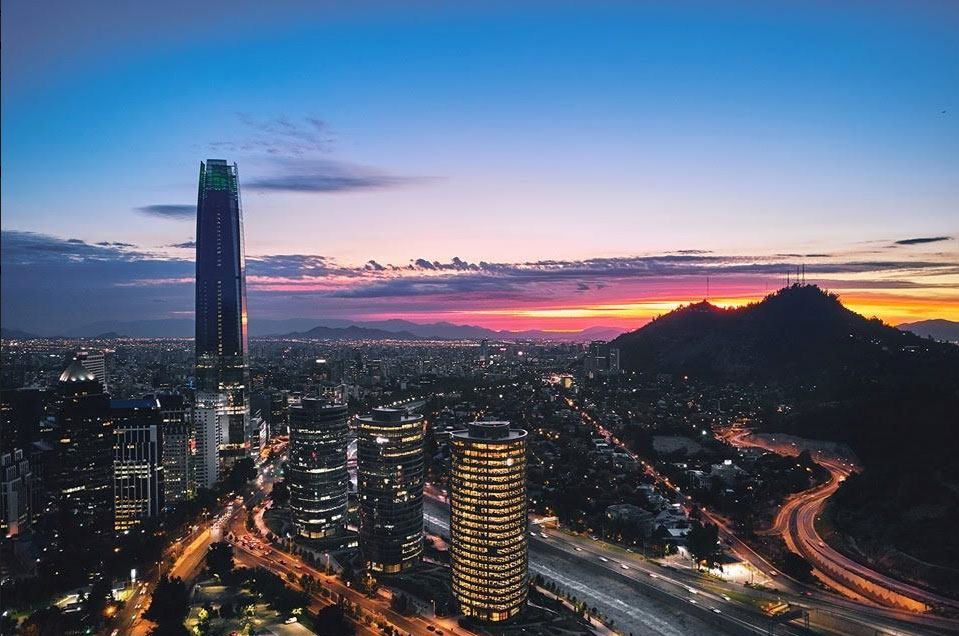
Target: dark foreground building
x: 488, y: 520
x: 221, y: 318
x: 389, y: 452
x: 317, y: 474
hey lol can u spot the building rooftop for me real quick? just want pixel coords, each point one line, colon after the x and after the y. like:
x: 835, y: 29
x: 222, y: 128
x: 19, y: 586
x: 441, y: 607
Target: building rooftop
x: 76, y: 372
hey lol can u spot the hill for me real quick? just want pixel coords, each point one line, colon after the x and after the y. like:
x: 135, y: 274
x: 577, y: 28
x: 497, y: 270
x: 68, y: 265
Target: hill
x: 17, y: 334
x: 942, y: 330
x: 891, y: 395
x: 796, y: 334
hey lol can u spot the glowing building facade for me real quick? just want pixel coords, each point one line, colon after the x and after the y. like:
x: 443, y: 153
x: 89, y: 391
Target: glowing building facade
x: 389, y: 450
x: 221, y: 311
x: 138, y: 489
x: 488, y: 522
x: 317, y: 472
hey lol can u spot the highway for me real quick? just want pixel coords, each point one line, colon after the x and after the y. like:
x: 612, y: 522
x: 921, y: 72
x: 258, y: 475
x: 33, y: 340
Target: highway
x: 796, y: 522
x: 852, y: 612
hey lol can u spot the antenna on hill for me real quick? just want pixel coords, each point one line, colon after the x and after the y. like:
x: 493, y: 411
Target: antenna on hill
x: 707, y: 287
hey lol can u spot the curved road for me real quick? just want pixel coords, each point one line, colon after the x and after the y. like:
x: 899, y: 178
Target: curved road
x: 796, y: 522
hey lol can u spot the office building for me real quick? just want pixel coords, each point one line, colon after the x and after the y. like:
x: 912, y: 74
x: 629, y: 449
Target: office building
x: 137, y: 461
x: 389, y: 449
x: 85, y: 442
x: 210, y: 415
x: 175, y: 419
x: 317, y: 471
x: 95, y: 362
x: 601, y: 359
x: 221, y: 310
x: 16, y: 494
x: 488, y: 520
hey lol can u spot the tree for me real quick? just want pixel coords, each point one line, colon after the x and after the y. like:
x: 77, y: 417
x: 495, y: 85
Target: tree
x: 703, y: 544
x: 797, y: 567
x: 242, y: 472
x: 332, y: 621
x: 280, y: 493
x: 169, y: 604
x: 96, y: 601
x: 219, y: 558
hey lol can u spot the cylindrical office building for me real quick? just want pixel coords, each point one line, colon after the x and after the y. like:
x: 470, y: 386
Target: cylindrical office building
x: 389, y: 453
x: 488, y: 522
x: 317, y: 469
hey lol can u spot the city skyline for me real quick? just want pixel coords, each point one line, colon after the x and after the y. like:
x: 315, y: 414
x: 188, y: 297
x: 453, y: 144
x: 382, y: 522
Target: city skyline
x: 510, y: 167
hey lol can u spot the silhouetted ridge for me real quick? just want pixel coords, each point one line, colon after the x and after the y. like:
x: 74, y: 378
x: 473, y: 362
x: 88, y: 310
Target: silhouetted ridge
x: 797, y: 330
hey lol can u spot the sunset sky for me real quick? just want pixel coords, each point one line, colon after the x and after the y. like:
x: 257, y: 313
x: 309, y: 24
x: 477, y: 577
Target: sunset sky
x: 548, y: 165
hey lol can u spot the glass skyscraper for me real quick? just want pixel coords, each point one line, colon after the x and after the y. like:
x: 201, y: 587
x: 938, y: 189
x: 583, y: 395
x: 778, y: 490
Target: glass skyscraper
x: 319, y: 481
x: 389, y: 451
x: 488, y: 520
x: 221, y: 315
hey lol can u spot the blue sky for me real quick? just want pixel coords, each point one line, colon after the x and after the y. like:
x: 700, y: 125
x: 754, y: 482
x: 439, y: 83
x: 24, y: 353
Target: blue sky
x: 489, y: 132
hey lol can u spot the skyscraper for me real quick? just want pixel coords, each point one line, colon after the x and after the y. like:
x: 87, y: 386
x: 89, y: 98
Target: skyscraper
x: 137, y: 461
x: 209, y: 416
x: 16, y: 494
x: 175, y: 419
x: 221, y: 315
x: 317, y: 472
x: 84, y: 479
x: 488, y: 521
x: 95, y: 362
x: 389, y: 449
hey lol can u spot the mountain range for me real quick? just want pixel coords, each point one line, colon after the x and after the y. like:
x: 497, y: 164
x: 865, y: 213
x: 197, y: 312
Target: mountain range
x: 335, y: 329
x: 944, y: 330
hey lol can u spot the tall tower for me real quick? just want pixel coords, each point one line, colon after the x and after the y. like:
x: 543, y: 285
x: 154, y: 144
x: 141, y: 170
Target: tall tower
x: 221, y: 315
x: 137, y: 461
x: 488, y: 522
x: 85, y: 475
x: 389, y: 452
x: 318, y: 476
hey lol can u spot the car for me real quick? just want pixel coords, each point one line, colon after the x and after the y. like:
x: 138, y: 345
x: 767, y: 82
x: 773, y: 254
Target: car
x: 693, y: 601
x: 578, y: 549
x: 653, y: 575
x: 594, y: 538
x: 604, y: 559
x: 716, y: 610
x: 726, y: 598
x: 822, y: 545
x: 532, y: 534
x: 773, y: 573
x: 544, y: 535
x: 624, y: 566
x: 629, y: 549
x: 290, y: 620
x: 431, y: 628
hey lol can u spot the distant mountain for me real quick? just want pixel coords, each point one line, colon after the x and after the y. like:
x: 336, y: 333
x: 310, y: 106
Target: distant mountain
x: 450, y: 331
x: 108, y: 335
x: 17, y: 334
x: 797, y: 332
x: 264, y: 327
x: 156, y: 328
x: 352, y: 333
x: 943, y: 330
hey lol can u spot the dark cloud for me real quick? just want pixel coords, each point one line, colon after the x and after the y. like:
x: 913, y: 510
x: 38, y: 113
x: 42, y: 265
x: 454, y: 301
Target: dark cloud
x: 169, y: 210
x: 114, y: 244
x: 187, y: 245
x: 582, y: 286
x: 923, y: 240
x: 322, y: 176
x: 281, y: 136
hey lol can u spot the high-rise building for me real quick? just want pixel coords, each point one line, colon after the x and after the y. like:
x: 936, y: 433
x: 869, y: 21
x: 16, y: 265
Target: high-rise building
x: 317, y: 471
x: 221, y: 312
x: 601, y: 359
x: 85, y: 436
x: 389, y: 450
x: 16, y: 494
x: 95, y: 362
x: 488, y: 521
x: 175, y: 424
x: 137, y: 461
x: 209, y: 419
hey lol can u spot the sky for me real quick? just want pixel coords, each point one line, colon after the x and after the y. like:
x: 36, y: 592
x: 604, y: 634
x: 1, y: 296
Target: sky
x: 512, y: 165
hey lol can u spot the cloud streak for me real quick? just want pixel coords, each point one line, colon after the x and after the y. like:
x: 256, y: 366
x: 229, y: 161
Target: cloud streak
x: 173, y: 211
x: 324, y: 176
x: 923, y: 240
